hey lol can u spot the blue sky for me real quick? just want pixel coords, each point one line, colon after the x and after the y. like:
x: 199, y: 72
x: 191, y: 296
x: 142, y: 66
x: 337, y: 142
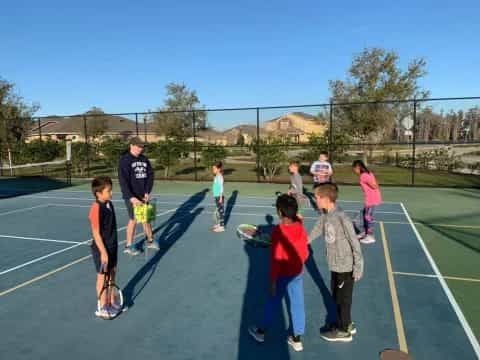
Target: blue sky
x: 119, y: 55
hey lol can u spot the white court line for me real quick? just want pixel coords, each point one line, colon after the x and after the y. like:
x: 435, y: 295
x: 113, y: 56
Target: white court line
x: 176, y: 203
x: 242, y: 196
x: 436, y: 277
x: 23, y: 209
x: 232, y: 213
x: 40, y: 239
x: 66, y: 249
x: 461, y: 317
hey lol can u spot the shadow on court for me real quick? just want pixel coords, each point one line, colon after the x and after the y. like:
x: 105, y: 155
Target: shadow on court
x: 171, y: 231
x: 255, y: 296
x: 328, y: 302
x: 230, y: 205
x: 467, y: 237
x: 12, y: 187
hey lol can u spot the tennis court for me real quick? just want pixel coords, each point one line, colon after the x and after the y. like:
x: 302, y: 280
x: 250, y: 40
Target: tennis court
x: 195, y: 298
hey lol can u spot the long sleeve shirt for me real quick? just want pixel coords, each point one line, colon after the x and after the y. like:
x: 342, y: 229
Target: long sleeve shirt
x: 344, y: 253
x: 135, y: 175
x: 289, y: 250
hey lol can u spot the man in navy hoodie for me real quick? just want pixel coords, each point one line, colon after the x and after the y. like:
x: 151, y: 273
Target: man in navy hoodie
x: 135, y: 174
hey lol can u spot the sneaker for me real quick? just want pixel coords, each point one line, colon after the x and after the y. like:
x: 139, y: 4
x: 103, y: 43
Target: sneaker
x: 336, y: 336
x: 116, y: 308
x: 103, y: 313
x: 131, y: 250
x: 369, y: 239
x: 352, y: 329
x: 296, y: 345
x: 219, y: 229
x: 361, y: 235
x: 257, y: 334
x: 152, y: 245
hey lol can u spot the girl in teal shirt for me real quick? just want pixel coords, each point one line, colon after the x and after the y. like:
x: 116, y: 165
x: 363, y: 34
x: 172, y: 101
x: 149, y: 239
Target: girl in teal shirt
x: 217, y: 190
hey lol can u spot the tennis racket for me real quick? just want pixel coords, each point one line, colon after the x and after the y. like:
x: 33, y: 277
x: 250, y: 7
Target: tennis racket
x: 390, y: 354
x: 250, y: 234
x: 112, y: 293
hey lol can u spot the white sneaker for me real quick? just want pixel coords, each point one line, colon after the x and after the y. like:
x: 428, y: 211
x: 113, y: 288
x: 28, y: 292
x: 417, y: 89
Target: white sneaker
x: 103, y: 313
x: 296, y: 345
x: 369, y: 239
x: 259, y: 337
x: 219, y: 229
x: 361, y: 235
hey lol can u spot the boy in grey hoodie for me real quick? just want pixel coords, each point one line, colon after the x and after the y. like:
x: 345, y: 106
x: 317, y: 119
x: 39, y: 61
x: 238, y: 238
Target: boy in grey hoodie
x: 344, y: 257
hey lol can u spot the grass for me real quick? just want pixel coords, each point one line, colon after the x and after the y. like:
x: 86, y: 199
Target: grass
x: 387, y: 175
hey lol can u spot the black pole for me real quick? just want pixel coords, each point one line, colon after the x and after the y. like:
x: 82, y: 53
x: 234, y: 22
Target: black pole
x: 87, y: 150
x: 330, y: 135
x: 194, y: 128
x: 258, y: 144
x: 136, y: 123
x: 39, y: 129
x: 145, y: 127
x: 414, y: 138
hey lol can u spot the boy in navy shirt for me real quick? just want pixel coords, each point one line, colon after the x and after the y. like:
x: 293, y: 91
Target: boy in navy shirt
x: 105, y: 241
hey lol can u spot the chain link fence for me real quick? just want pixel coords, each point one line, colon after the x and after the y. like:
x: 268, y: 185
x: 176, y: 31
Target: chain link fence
x: 423, y: 142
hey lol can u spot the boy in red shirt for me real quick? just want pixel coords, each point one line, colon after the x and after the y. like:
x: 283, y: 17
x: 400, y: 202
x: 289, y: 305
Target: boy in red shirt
x: 289, y: 252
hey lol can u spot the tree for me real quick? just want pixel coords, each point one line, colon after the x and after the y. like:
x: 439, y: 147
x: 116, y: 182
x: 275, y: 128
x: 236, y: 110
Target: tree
x: 97, y: 123
x: 15, y: 114
x: 375, y: 75
x: 271, y: 152
x: 318, y: 143
x: 82, y: 154
x: 240, y: 140
x: 111, y: 150
x: 212, y: 154
x: 167, y: 153
x: 176, y: 118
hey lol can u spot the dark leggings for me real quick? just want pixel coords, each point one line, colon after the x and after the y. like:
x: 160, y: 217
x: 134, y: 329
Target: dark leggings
x: 220, y: 211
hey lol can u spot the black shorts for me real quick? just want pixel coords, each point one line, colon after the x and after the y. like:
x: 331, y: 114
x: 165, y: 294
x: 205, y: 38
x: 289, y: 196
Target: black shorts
x: 129, y: 206
x: 112, y: 257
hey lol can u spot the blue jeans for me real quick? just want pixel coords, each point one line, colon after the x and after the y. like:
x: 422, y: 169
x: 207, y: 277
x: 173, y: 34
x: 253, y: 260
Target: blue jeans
x: 293, y: 286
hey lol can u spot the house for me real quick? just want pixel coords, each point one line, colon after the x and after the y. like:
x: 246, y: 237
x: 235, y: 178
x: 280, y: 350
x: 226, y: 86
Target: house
x: 296, y: 126
x: 73, y: 128
x: 248, y: 132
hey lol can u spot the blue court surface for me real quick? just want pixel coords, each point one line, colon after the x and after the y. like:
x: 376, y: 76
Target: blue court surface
x: 197, y: 295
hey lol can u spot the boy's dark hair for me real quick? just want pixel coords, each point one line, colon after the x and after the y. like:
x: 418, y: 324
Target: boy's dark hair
x: 294, y: 162
x: 100, y: 183
x: 361, y: 165
x: 323, y: 153
x: 329, y: 190
x: 287, y: 207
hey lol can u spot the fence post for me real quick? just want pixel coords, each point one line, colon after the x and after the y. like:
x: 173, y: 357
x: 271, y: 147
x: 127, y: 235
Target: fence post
x: 87, y: 149
x: 145, y: 127
x: 258, y: 144
x: 39, y: 129
x: 194, y: 129
x: 414, y: 138
x: 136, y: 124
x: 330, y: 135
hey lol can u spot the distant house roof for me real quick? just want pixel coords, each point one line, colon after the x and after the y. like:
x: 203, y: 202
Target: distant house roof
x: 304, y: 116
x: 251, y: 130
x: 55, y: 125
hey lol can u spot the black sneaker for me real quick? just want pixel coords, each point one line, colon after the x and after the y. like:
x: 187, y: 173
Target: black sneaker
x: 336, y: 336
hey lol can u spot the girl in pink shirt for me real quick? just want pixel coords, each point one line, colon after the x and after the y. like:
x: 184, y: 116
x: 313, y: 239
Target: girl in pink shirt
x: 373, y: 198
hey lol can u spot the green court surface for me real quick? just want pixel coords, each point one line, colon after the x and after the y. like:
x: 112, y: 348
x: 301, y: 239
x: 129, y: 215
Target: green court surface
x: 196, y: 296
